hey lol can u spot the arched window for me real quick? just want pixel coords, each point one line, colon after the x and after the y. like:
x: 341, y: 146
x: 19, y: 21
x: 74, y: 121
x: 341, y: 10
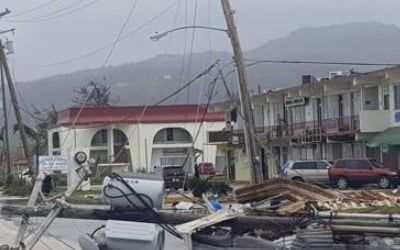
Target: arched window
x: 98, y: 146
x: 104, y: 151
x: 121, y: 147
x: 172, y: 135
x: 100, y: 138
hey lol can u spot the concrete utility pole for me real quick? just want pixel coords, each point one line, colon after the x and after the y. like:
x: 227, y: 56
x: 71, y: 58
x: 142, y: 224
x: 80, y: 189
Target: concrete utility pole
x: 14, y: 100
x: 6, y: 142
x: 252, y: 149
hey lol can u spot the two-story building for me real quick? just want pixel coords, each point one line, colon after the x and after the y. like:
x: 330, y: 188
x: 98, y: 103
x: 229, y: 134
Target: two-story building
x: 341, y: 116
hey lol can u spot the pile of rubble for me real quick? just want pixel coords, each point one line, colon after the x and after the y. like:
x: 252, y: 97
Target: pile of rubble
x: 287, y: 197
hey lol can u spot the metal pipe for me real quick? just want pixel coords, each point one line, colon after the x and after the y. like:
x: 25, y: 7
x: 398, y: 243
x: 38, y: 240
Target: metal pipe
x: 361, y: 229
x: 339, y: 215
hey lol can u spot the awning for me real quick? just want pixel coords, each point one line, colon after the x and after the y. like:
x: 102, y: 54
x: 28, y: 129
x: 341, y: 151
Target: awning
x: 390, y: 136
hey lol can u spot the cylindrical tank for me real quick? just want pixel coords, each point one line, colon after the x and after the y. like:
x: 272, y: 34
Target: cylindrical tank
x: 150, y: 185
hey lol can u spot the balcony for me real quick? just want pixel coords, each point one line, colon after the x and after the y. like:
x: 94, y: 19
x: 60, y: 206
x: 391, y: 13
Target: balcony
x: 310, y: 129
x: 343, y: 125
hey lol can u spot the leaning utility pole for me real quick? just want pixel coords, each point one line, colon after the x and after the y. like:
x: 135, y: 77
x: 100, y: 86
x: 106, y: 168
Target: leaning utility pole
x: 14, y: 100
x: 6, y: 142
x: 252, y: 149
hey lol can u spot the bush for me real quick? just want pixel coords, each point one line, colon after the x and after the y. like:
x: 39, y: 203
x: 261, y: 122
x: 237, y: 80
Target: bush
x: 18, y: 187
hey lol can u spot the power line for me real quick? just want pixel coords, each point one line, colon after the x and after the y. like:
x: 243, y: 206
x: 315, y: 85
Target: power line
x: 140, y: 27
x: 48, y: 15
x: 34, y: 9
x: 205, y: 72
x: 255, y: 62
x: 120, y: 32
x: 69, y: 12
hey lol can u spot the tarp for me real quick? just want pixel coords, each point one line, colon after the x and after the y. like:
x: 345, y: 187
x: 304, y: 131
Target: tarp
x: 389, y: 137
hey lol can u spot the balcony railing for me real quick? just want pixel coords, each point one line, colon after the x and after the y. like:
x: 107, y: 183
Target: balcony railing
x: 325, y: 127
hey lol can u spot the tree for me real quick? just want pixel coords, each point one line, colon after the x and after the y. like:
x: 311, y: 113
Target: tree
x: 93, y: 94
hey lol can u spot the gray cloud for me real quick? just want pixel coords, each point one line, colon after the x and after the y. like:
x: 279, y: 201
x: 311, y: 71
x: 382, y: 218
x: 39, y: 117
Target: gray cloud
x: 91, y: 28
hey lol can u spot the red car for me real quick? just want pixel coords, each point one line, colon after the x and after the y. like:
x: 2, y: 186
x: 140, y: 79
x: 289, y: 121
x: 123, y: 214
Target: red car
x: 345, y: 172
x: 206, y: 168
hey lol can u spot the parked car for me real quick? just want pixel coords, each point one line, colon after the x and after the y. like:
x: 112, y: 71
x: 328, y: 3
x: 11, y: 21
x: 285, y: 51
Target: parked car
x: 315, y: 171
x: 206, y: 168
x: 174, y: 176
x: 360, y: 171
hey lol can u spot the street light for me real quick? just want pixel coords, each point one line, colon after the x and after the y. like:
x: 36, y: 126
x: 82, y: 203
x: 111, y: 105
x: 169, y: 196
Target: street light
x: 158, y: 35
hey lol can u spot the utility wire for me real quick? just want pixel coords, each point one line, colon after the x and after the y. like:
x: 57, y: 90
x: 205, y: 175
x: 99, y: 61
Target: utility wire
x: 205, y: 72
x: 33, y: 9
x: 120, y: 32
x: 68, y: 12
x: 36, y: 19
x: 255, y: 62
x: 140, y: 27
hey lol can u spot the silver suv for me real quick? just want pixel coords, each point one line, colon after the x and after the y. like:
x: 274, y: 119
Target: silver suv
x: 315, y: 171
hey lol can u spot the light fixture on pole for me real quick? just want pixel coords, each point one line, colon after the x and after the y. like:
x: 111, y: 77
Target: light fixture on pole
x: 158, y: 35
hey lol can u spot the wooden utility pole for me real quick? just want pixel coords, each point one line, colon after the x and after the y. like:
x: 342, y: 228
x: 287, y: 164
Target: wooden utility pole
x: 14, y: 100
x: 252, y: 149
x: 6, y: 142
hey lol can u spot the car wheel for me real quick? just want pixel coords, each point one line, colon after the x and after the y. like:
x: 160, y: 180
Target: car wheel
x: 342, y: 183
x: 383, y: 182
x: 299, y: 179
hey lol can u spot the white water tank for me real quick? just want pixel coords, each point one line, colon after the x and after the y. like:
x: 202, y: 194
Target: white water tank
x: 150, y: 185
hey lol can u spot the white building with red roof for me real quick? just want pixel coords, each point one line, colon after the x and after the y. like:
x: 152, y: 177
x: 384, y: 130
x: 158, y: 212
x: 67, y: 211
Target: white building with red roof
x: 138, y: 136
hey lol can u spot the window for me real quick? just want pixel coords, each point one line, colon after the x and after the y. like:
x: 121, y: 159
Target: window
x: 170, y: 134
x: 357, y: 164
x: 304, y: 165
x: 100, y: 138
x: 56, y: 140
x: 322, y: 165
x: 386, y: 102
x: 376, y: 164
x: 396, y: 97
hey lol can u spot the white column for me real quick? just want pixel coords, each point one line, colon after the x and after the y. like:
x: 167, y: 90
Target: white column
x: 110, y: 144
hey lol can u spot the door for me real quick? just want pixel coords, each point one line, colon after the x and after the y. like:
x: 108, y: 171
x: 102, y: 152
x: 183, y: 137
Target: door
x: 359, y: 171
x: 321, y: 172
x: 306, y: 170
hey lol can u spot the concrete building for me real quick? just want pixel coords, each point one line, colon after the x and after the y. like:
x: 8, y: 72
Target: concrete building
x: 138, y: 137
x: 340, y: 116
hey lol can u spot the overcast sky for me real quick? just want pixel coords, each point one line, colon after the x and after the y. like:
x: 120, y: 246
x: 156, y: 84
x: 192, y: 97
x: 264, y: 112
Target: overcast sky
x: 66, y: 29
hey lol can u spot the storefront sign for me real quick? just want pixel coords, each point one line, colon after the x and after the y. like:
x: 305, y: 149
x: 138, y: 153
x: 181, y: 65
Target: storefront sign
x: 292, y: 102
x: 50, y: 163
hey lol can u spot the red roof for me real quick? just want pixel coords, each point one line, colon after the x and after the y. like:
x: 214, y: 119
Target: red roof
x: 137, y: 114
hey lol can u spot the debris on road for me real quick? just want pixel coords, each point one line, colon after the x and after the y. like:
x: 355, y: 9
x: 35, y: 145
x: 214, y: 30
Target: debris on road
x: 285, y: 197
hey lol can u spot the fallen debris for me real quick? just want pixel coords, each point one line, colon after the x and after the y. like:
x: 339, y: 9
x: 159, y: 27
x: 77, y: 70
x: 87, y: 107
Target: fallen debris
x: 287, y: 197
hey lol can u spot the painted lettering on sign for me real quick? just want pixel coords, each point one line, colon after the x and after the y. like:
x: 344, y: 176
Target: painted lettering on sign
x: 51, y: 163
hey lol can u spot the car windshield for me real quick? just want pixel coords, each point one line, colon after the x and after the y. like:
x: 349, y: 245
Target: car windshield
x: 376, y: 163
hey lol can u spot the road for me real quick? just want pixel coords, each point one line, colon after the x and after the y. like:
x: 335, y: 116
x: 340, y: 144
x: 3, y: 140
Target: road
x: 63, y: 233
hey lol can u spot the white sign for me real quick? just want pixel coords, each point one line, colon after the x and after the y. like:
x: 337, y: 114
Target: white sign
x: 297, y: 101
x: 50, y: 163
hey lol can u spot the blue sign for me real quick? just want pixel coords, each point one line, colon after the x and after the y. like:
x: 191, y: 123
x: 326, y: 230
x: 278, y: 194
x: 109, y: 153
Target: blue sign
x: 397, y: 116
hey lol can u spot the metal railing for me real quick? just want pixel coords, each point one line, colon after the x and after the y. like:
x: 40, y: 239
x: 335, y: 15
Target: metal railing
x: 330, y: 126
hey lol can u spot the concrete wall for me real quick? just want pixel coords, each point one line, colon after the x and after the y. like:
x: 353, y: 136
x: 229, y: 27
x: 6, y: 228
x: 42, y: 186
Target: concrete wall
x: 140, y: 137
